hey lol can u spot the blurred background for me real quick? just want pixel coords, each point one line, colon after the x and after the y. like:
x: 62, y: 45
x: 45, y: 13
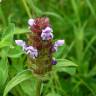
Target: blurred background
x: 72, y: 20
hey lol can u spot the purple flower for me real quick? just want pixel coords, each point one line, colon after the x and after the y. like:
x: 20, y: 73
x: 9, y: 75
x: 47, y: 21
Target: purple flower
x: 54, y: 62
x: 46, y: 33
x: 31, y: 51
x: 21, y: 43
x: 46, y: 36
x: 31, y: 22
x: 57, y: 44
x: 28, y: 49
x: 47, y: 30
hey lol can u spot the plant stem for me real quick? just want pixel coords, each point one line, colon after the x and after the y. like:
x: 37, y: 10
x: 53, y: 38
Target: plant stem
x: 26, y: 8
x: 38, y: 87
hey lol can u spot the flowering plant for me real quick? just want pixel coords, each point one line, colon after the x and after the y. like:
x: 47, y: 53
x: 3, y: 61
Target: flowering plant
x: 40, y: 46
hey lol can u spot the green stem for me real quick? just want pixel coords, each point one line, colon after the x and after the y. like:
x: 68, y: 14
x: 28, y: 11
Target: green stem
x: 38, y: 87
x: 26, y: 8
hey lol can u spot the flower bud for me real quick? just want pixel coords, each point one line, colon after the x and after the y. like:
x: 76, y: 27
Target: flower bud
x: 54, y: 62
x: 31, y: 22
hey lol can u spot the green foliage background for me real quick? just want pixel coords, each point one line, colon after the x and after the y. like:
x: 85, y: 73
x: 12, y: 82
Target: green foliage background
x: 72, y: 20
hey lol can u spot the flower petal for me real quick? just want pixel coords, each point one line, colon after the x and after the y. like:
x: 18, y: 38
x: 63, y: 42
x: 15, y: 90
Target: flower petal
x: 20, y: 43
x: 47, y: 30
x: 59, y: 43
x: 46, y: 36
x: 31, y: 22
x: 31, y: 51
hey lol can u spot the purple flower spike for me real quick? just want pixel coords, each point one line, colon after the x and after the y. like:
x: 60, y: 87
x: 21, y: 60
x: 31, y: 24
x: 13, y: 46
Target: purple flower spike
x: 54, y: 62
x: 31, y: 51
x: 46, y: 33
x: 31, y: 22
x: 20, y: 43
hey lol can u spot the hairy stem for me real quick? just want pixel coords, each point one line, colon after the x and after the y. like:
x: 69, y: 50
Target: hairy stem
x: 38, y: 87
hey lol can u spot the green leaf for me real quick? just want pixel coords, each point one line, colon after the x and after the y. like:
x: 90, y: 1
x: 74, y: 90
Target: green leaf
x: 53, y: 14
x: 3, y: 73
x: 92, y: 72
x: 7, y: 36
x: 53, y: 94
x: 75, y: 8
x: 3, y: 68
x: 64, y: 65
x: 21, y: 31
x: 92, y: 9
x: 3, y: 77
x: 15, y: 52
x: 90, y: 83
x: 28, y: 87
x: 22, y: 76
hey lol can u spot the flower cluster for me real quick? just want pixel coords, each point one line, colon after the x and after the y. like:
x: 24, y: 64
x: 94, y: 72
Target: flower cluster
x: 40, y: 46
